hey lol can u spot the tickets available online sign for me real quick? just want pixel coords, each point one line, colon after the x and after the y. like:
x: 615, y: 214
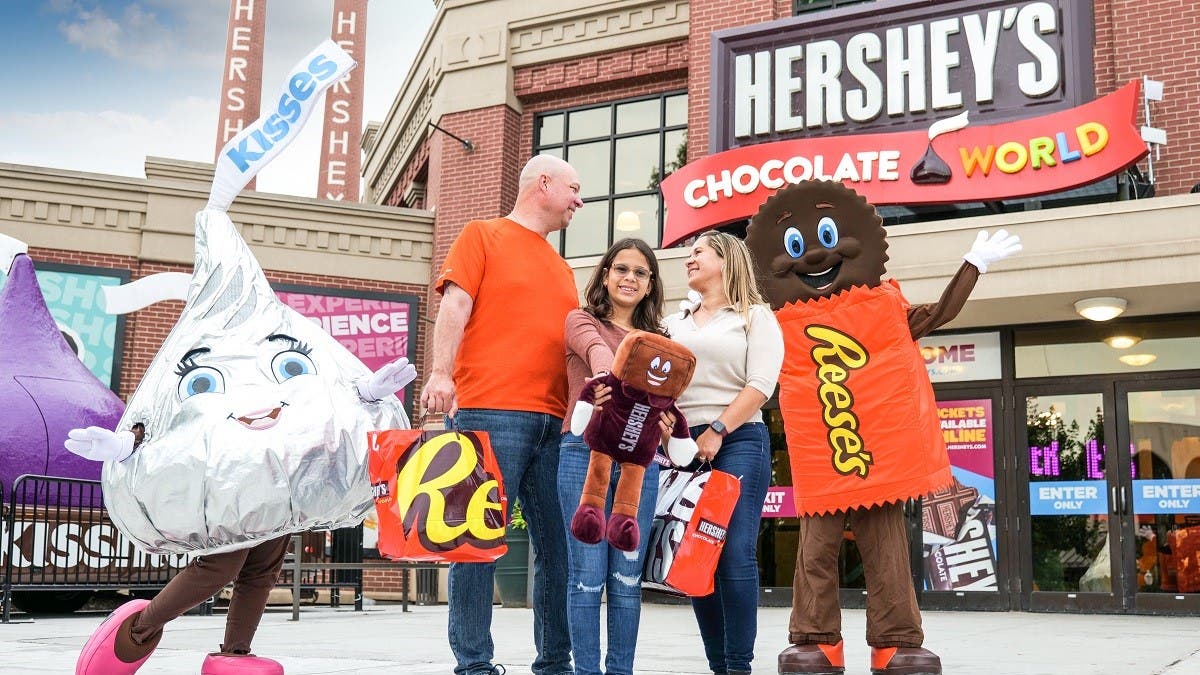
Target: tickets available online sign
x: 953, y: 161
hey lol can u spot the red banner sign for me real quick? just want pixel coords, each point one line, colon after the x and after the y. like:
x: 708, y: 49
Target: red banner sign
x: 1028, y: 157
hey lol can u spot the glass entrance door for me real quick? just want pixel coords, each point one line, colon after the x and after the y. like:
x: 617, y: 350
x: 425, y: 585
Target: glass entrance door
x: 1069, y: 485
x: 1161, y: 428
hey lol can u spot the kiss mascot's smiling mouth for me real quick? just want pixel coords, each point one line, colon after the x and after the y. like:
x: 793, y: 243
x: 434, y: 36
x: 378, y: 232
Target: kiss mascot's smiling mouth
x: 260, y: 419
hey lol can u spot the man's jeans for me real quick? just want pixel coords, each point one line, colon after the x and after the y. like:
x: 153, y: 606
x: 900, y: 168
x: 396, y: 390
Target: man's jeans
x: 598, y: 568
x: 526, y: 446
x: 728, y: 617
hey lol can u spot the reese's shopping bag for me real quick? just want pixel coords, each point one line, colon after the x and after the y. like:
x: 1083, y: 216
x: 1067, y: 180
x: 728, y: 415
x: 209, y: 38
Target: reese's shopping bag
x: 690, y: 521
x: 438, y: 495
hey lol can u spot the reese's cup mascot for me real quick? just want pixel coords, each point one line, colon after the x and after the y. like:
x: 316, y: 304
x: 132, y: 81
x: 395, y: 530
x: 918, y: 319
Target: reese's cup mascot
x: 649, y: 372
x: 859, y: 413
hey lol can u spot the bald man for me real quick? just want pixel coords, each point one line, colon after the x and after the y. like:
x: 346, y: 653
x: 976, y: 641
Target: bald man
x: 498, y: 366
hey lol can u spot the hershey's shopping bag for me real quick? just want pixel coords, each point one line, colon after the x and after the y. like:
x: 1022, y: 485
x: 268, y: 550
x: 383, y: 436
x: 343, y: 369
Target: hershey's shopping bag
x: 438, y: 495
x: 690, y: 521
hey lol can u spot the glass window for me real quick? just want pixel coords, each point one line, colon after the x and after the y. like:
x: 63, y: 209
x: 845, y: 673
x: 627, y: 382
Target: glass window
x: 638, y: 116
x: 592, y: 162
x: 1130, y: 346
x: 622, y: 151
x: 677, y: 110
x: 591, y: 123
x: 1066, y: 447
x: 550, y: 128
x: 802, y: 6
x: 1164, y: 443
x: 637, y: 162
x: 636, y: 217
x: 588, y: 232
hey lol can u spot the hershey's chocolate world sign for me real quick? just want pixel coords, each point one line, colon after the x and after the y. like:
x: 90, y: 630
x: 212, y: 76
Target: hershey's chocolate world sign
x: 907, y: 102
x: 900, y: 64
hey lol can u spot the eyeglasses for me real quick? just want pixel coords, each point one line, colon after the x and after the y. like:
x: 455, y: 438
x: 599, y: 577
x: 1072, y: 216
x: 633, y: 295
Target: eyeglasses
x: 641, y: 273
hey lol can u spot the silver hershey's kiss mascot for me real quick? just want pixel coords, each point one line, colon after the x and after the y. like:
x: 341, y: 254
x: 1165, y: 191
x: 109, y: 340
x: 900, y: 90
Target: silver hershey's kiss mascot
x: 250, y: 423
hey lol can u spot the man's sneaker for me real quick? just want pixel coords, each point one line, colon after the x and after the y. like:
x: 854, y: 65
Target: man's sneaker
x: 904, y: 661
x: 812, y: 659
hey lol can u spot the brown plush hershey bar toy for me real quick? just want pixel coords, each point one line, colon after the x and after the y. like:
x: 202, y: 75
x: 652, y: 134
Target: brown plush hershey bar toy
x: 649, y: 372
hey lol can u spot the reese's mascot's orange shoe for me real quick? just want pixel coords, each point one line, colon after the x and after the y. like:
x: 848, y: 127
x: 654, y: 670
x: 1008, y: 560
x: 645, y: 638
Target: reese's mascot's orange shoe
x: 812, y: 659
x: 904, y: 661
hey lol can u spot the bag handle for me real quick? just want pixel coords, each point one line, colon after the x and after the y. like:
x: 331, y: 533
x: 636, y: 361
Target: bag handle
x: 429, y: 417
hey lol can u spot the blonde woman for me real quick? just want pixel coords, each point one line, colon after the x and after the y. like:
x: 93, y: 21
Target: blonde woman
x: 739, y: 351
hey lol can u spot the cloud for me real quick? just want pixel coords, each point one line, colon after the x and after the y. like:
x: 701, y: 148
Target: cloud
x: 111, y: 141
x: 189, y: 34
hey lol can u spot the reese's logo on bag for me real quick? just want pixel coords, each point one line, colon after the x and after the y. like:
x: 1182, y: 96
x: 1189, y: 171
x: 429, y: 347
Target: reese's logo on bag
x: 455, y: 501
x: 836, y: 355
x: 438, y: 495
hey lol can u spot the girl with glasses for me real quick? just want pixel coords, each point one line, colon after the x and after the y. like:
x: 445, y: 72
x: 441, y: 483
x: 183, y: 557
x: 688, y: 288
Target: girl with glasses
x: 623, y: 294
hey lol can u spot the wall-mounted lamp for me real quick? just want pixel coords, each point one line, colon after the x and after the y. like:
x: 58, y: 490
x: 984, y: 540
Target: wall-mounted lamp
x: 1100, y: 309
x: 466, y: 143
x: 1138, y: 360
x: 1122, y: 341
x: 628, y: 221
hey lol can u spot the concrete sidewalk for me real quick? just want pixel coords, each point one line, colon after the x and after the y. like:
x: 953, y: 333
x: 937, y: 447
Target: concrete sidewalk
x: 382, y: 638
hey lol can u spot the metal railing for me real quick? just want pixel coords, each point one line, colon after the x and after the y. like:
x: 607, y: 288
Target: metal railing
x: 347, y: 564
x: 57, y: 537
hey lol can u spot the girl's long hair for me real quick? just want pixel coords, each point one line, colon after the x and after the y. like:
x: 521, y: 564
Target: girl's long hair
x: 647, y: 315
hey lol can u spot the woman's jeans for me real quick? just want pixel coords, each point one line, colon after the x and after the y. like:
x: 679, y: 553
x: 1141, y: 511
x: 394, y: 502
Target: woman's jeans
x: 728, y: 618
x: 591, y: 568
x: 526, y: 446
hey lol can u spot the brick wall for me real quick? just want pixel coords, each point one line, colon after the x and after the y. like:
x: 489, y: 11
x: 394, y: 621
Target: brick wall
x: 708, y: 16
x: 465, y: 186
x: 1161, y: 40
x: 587, y: 74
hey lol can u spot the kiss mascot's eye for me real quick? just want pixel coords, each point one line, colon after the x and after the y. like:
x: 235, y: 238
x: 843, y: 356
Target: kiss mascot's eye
x: 290, y: 363
x: 200, y: 380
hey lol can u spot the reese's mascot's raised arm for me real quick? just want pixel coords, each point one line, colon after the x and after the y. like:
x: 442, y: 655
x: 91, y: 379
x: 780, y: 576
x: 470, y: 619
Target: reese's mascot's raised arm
x: 858, y: 410
x: 249, y: 425
x: 648, y: 373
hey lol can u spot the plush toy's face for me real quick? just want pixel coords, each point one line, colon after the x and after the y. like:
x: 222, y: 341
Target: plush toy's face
x: 813, y: 240
x: 654, y: 364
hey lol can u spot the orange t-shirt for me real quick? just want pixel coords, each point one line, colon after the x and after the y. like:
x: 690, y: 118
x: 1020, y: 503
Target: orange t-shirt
x: 511, y: 355
x: 858, y: 409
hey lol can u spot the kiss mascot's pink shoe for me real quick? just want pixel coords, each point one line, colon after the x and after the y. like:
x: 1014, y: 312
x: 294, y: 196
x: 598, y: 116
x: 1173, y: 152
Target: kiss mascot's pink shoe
x: 102, y: 655
x: 239, y: 664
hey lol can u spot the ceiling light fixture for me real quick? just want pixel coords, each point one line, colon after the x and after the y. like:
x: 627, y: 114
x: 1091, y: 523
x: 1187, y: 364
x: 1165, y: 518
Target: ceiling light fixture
x: 1122, y: 341
x: 1138, y: 360
x: 1100, y: 309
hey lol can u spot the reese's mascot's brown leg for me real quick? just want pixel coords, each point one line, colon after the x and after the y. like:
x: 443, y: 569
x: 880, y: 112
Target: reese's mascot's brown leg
x: 622, y: 531
x: 588, y: 523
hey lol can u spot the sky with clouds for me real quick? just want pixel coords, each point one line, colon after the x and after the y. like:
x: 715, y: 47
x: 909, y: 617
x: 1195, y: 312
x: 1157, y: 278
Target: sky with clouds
x: 98, y: 85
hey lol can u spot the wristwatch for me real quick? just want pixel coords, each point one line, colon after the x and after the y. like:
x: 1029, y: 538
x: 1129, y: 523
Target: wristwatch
x: 718, y: 427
